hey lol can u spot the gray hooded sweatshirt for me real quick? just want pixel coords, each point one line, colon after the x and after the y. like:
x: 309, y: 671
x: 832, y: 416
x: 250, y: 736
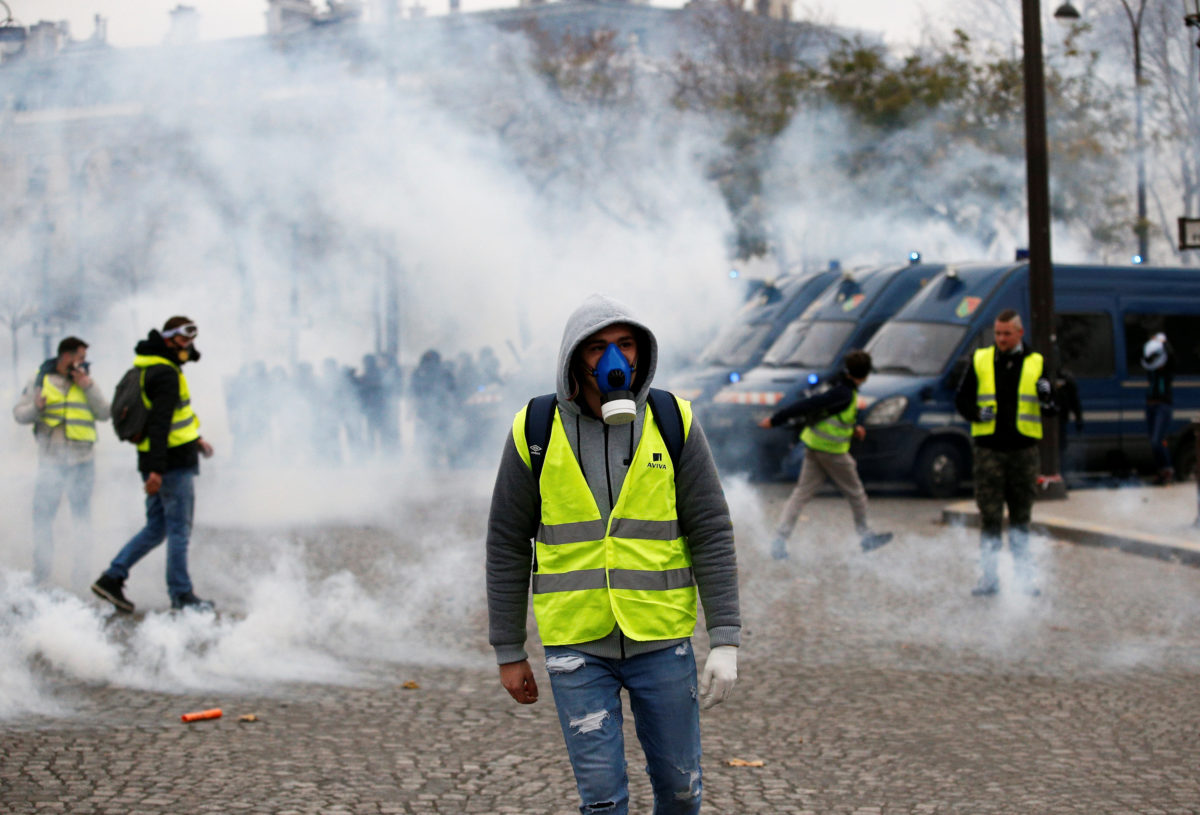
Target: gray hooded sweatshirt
x: 603, y: 452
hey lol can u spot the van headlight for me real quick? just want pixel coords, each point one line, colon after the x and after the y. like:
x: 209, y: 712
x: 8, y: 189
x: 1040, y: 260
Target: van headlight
x: 887, y: 411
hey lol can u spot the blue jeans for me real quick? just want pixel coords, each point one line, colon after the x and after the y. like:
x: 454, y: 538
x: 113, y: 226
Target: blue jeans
x: 666, y: 715
x: 53, y: 479
x: 1158, y: 422
x: 168, y: 515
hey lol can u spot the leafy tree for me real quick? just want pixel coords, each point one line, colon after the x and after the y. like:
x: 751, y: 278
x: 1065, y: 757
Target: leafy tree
x: 749, y: 72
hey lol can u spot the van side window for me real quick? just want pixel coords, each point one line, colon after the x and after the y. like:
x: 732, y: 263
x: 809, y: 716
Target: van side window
x: 1182, y: 330
x: 1085, y: 344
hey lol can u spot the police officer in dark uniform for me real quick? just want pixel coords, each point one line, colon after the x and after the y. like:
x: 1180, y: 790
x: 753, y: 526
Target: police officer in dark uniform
x: 1003, y: 394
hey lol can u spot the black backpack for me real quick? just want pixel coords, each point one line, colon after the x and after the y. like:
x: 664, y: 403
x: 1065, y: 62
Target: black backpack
x: 129, y: 412
x: 539, y: 419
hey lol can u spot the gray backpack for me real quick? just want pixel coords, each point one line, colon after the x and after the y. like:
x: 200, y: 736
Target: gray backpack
x: 129, y: 412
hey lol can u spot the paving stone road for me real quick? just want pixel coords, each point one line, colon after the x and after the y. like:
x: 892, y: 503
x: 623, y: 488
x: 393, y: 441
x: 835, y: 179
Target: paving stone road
x: 870, y: 684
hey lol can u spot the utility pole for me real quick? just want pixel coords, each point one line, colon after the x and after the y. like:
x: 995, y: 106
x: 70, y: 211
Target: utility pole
x: 1041, y: 272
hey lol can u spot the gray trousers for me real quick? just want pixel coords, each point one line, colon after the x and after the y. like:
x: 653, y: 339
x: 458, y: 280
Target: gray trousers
x: 818, y: 466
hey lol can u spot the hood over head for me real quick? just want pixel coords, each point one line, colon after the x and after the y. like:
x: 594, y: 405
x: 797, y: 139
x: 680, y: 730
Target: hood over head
x: 598, y: 312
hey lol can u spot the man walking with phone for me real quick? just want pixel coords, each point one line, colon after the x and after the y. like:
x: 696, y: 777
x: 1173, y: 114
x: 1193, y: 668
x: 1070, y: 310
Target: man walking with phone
x: 63, y: 404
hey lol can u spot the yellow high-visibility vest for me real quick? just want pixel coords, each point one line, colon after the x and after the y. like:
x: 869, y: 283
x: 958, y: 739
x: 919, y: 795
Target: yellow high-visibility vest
x: 833, y: 433
x: 635, y: 571
x: 1029, y: 408
x: 70, y: 408
x: 185, y: 425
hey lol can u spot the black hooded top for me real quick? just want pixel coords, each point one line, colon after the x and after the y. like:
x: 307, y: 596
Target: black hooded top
x: 162, y: 389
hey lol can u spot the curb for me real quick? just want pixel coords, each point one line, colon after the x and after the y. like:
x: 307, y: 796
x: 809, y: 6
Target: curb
x: 1145, y: 544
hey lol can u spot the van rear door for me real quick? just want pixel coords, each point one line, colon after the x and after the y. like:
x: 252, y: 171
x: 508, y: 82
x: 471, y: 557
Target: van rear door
x: 1085, y: 326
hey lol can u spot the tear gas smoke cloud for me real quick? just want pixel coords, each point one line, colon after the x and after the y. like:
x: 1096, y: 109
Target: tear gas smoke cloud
x: 269, y: 198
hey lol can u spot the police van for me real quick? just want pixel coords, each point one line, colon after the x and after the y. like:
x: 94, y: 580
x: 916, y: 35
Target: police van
x: 1104, y: 315
x: 741, y: 344
x: 806, y: 354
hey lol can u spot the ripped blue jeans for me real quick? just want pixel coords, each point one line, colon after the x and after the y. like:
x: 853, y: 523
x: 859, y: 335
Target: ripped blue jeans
x: 666, y: 716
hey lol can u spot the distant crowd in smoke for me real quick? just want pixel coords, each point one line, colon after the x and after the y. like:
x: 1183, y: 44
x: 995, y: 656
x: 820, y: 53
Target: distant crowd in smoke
x: 441, y: 410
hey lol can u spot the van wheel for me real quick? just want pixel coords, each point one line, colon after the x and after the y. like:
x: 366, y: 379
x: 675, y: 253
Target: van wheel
x: 941, y: 467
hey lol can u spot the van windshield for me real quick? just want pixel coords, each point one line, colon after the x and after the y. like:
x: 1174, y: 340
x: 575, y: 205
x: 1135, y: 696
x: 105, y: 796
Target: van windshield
x: 737, y: 345
x: 818, y: 347
x: 917, y: 349
x: 787, y: 342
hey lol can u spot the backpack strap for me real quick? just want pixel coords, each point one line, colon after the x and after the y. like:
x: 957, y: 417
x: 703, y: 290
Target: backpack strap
x: 539, y: 420
x: 669, y: 421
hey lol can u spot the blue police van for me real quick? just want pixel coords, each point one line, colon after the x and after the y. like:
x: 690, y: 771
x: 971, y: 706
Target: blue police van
x: 808, y: 352
x: 740, y: 346
x: 1104, y: 315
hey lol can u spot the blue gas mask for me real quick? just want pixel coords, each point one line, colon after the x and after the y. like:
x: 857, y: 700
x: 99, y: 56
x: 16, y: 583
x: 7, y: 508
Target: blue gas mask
x: 615, y: 380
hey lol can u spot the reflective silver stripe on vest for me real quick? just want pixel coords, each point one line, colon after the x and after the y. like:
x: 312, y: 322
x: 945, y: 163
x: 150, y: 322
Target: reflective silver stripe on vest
x: 185, y: 403
x: 569, y: 581
x: 638, y: 580
x: 81, y: 405
x: 985, y: 397
x: 645, y: 530
x: 1025, y: 417
x: 180, y: 425
x: 81, y: 422
x: 576, y: 532
x: 828, y: 436
x: 1029, y: 399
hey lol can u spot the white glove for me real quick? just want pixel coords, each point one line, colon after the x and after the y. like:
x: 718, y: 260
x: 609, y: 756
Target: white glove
x: 720, y: 672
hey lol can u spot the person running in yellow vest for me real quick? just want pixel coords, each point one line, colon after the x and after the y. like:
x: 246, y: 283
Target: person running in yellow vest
x: 168, y: 459
x: 1004, y: 394
x: 624, y: 539
x: 830, y: 426
x: 63, y: 404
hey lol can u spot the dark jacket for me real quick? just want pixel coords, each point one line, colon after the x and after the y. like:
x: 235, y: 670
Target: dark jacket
x: 1160, y: 390
x: 833, y: 400
x: 162, y: 389
x: 1008, y: 378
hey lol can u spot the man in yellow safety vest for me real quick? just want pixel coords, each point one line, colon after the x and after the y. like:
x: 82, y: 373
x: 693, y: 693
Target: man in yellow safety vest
x: 831, y: 423
x: 63, y: 404
x: 168, y: 460
x: 1003, y: 394
x: 617, y: 490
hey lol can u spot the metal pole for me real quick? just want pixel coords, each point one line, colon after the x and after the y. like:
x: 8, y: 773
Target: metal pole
x: 1041, y: 273
x: 1143, y: 225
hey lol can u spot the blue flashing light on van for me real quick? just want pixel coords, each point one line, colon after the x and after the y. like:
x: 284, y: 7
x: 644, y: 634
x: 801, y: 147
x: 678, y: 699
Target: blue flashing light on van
x: 1103, y: 316
x: 807, y: 353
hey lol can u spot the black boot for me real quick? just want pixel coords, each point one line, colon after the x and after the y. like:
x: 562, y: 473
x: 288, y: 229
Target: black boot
x: 112, y: 590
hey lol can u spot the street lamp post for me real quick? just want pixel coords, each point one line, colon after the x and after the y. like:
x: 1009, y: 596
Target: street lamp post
x: 1041, y: 273
x: 1143, y: 226
x: 1192, y: 18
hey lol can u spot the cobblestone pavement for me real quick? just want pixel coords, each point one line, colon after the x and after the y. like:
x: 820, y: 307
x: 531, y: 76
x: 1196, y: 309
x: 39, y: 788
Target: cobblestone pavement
x: 870, y: 684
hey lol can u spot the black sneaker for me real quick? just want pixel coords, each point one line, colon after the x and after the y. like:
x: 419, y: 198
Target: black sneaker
x: 190, y: 600
x: 112, y: 590
x: 873, y: 540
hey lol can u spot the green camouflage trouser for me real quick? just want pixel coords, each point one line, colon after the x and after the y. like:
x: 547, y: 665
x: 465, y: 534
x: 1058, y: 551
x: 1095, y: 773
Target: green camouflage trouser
x: 1005, y: 478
